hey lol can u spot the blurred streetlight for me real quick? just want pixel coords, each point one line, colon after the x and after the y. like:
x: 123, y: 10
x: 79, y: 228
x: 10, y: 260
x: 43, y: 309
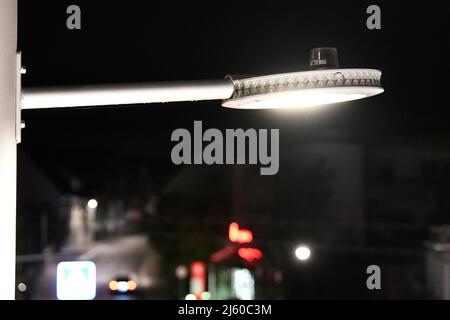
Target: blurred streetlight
x: 181, y: 272
x: 22, y: 287
x: 303, y: 253
x: 92, y: 204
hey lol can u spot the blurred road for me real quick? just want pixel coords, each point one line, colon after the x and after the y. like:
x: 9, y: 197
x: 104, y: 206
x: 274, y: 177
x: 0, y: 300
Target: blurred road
x: 130, y: 256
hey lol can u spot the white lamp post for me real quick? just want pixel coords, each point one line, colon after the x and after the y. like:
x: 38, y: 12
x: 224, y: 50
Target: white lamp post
x: 8, y: 148
x: 289, y: 90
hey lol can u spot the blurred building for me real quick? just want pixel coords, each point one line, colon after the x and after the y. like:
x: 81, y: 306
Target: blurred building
x: 41, y: 215
x: 438, y: 263
x: 356, y: 202
x: 82, y: 224
x: 42, y: 223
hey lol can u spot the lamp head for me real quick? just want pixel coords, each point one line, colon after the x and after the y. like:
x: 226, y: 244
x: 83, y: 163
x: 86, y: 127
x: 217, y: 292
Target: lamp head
x: 324, y: 84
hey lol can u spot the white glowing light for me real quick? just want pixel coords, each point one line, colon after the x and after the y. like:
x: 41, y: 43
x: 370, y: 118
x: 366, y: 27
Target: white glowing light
x: 303, y: 98
x: 76, y: 280
x: 22, y: 287
x: 303, y: 253
x: 122, y: 286
x: 191, y: 296
x: 181, y: 272
x: 92, y: 204
x: 243, y: 284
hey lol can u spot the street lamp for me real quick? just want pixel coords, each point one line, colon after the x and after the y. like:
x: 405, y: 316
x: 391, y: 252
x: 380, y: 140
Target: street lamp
x: 303, y: 253
x: 325, y: 84
x: 92, y: 204
x: 289, y: 90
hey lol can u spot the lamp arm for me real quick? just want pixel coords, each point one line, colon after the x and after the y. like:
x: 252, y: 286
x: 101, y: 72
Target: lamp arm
x: 119, y: 94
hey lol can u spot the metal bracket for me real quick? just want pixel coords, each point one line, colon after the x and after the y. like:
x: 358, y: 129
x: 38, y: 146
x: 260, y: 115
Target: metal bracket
x: 19, y: 72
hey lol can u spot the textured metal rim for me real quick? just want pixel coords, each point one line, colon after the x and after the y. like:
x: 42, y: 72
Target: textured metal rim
x: 295, y: 81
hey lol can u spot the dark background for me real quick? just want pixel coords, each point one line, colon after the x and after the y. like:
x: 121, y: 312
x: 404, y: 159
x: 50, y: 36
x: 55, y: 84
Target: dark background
x: 105, y: 151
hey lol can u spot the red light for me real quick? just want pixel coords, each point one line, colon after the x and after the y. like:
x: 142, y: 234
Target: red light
x: 223, y: 254
x: 250, y: 254
x: 198, y: 278
x: 239, y: 235
x: 198, y: 269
